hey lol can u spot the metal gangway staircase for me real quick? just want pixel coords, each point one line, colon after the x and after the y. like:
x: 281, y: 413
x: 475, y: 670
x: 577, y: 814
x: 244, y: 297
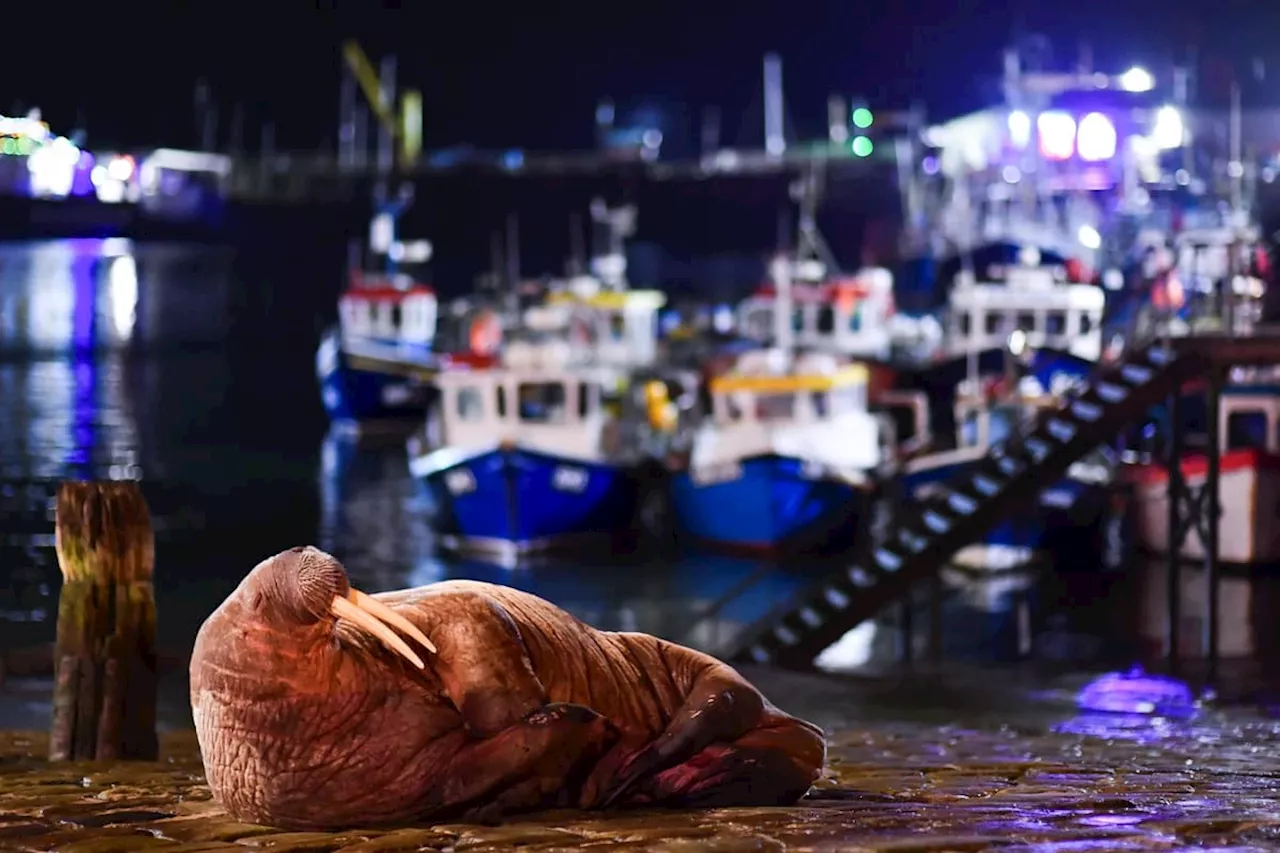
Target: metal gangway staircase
x: 928, y: 533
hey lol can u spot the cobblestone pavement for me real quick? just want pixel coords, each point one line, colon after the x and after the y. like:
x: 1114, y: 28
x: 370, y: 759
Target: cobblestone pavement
x: 889, y: 787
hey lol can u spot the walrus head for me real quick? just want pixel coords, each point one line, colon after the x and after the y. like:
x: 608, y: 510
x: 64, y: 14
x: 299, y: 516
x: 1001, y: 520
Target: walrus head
x: 284, y: 669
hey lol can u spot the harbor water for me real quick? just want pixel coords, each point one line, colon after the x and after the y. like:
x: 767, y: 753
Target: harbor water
x: 177, y: 366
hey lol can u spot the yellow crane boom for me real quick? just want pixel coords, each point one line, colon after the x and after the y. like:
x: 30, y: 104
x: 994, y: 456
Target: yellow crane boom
x: 407, y: 131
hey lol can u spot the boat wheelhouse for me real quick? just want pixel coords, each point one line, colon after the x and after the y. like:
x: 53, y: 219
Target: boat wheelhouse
x: 847, y: 316
x: 613, y: 328
x: 781, y: 460
x: 1027, y: 299
x: 530, y: 458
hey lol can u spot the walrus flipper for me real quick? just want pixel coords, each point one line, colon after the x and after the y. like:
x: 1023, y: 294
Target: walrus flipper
x: 536, y: 763
x: 484, y: 666
x: 724, y: 746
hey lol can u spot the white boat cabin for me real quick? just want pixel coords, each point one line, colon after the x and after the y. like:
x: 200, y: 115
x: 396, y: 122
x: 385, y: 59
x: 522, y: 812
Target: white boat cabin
x: 612, y: 328
x: 1249, y: 419
x: 815, y: 411
x: 388, y: 312
x: 534, y: 400
x: 846, y: 316
x: 1051, y: 314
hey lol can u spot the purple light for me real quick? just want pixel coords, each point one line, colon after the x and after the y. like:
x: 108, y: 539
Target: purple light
x: 1096, y: 138
x: 82, y: 182
x: 1057, y: 131
x: 1137, y: 693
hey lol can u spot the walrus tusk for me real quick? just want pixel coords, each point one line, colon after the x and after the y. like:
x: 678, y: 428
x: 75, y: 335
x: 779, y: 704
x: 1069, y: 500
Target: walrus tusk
x: 345, y: 609
x: 369, y: 604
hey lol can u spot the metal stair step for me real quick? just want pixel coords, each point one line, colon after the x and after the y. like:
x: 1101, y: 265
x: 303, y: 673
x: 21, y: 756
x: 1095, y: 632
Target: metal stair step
x: 886, y: 559
x: 1111, y: 392
x: 1136, y: 374
x: 1085, y: 411
x: 859, y: 576
x: 912, y: 540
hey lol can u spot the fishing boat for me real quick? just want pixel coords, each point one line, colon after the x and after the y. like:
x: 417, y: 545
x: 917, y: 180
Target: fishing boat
x: 1249, y: 476
x: 781, y: 462
x: 530, y: 460
x: 376, y: 365
x: 849, y: 316
x: 1041, y: 302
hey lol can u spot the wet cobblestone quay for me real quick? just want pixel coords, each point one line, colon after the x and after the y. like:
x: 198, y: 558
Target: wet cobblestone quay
x: 889, y: 788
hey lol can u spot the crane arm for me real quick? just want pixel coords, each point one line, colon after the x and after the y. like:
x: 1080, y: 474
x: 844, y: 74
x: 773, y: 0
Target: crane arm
x: 370, y: 85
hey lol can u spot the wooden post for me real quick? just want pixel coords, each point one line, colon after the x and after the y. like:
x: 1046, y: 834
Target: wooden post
x: 104, y: 699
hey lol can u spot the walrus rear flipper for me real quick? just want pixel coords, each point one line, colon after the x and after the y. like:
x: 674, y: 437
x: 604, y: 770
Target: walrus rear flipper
x: 724, y: 734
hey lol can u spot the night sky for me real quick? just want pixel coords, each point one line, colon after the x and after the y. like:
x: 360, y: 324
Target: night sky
x: 530, y: 74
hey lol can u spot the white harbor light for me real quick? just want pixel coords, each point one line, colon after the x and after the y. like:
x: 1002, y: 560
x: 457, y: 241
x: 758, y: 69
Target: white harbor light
x: 1096, y: 138
x: 1019, y: 128
x: 1168, y: 131
x: 1057, y: 135
x: 1089, y: 237
x: 1137, y: 79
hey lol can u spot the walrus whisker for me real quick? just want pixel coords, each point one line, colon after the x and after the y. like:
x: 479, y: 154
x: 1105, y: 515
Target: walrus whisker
x: 346, y: 609
x: 369, y: 604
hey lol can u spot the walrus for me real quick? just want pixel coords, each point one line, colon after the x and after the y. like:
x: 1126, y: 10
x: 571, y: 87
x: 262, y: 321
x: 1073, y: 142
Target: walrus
x: 318, y: 707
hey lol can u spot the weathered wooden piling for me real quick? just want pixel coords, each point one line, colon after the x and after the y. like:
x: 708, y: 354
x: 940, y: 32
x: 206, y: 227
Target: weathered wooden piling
x: 104, y: 699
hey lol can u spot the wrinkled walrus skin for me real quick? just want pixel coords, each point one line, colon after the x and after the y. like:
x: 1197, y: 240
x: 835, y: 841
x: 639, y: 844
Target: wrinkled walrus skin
x: 307, y: 722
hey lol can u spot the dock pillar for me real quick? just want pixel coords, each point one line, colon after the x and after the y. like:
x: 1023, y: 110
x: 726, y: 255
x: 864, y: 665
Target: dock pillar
x: 104, y: 694
x: 1176, y: 530
x: 1212, y: 511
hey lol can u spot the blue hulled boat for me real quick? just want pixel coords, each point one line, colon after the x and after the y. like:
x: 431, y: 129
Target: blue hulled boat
x: 781, y: 461
x: 529, y: 459
x: 377, y: 364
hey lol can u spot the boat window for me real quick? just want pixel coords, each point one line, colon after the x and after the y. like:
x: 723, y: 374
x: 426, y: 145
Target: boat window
x: 502, y: 401
x: 850, y: 398
x: 470, y: 404
x: 1086, y: 324
x: 1247, y: 430
x: 965, y: 324
x: 617, y: 325
x: 994, y: 323
x: 1002, y: 421
x: 969, y: 429
x: 797, y: 320
x: 759, y: 323
x: 585, y: 401
x: 855, y: 319
x: 732, y: 410
x: 541, y: 402
x: 821, y: 401
x: 775, y: 406
x: 826, y: 320
x: 1055, y: 323
x: 397, y: 315
x: 1027, y: 321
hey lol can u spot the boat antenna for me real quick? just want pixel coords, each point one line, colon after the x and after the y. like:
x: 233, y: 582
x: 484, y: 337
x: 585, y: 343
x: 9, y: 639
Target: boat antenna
x: 577, y: 249
x: 513, y: 261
